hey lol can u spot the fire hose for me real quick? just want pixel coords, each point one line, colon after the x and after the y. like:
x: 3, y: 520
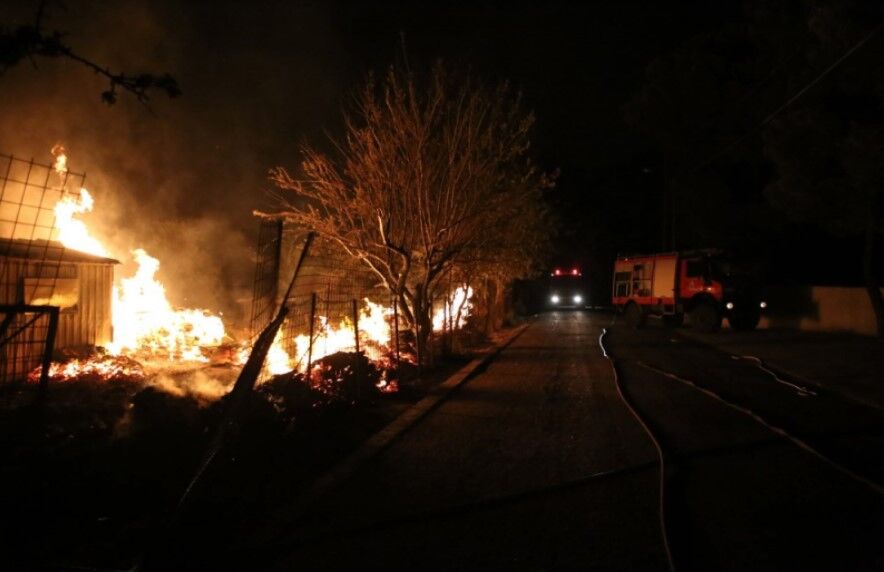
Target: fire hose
x: 664, y: 531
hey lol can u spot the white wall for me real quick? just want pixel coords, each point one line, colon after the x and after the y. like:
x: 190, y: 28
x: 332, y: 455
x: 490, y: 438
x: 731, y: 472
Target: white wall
x: 821, y: 308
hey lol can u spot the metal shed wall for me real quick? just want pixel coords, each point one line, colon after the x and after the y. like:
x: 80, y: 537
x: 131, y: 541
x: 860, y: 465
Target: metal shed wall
x: 89, y: 323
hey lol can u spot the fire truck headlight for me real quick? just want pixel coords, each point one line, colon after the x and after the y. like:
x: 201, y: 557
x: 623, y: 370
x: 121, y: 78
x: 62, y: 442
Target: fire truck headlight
x: 763, y: 305
x: 729, y: 305
x: 578, y: 298
x: 554, y: 299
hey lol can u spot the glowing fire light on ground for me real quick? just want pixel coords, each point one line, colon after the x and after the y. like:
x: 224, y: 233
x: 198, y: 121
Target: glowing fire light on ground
x: 105, y: 368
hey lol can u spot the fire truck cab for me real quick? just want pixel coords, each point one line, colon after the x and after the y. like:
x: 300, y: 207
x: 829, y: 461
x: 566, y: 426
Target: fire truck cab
x: 706, y: 285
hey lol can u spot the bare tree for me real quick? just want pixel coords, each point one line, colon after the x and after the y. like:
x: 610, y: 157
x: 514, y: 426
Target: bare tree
x: 431, y: 176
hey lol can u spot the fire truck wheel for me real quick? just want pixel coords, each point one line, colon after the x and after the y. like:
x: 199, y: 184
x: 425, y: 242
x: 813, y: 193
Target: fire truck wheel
x: 634, y: 316
x: 706, y: 318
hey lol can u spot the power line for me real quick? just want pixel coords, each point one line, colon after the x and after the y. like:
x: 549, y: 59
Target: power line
x: 807, y: 87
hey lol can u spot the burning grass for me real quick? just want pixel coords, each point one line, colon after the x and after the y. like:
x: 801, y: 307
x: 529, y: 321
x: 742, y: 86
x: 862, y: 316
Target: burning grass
x: 101, y: 368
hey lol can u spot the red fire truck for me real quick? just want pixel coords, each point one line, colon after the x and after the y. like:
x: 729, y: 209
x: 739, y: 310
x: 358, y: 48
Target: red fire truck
x: 704, y: 284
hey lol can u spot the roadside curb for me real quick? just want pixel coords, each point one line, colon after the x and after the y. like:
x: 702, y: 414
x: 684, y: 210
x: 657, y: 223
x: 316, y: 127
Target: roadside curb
x: 379, y: 441
x: 838, y: 392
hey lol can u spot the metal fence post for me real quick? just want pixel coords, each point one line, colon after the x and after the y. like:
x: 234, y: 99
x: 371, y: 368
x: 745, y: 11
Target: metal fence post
x: 50, y: 347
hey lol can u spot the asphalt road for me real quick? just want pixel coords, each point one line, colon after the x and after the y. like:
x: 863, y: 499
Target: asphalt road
x: 538, y: 464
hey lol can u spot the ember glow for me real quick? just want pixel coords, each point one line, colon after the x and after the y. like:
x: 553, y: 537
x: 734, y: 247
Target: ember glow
x: 104, y: 368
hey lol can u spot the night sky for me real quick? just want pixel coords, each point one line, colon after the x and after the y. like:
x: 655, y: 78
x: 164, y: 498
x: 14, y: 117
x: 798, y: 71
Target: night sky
x: 261, y: 78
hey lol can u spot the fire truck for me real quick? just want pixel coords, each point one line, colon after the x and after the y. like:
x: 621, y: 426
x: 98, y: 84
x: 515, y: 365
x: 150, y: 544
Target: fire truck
x: 567, y: 289
x: 706, y: 285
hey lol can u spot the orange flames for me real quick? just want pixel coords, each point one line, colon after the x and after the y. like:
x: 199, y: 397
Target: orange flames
x: 147, y: 326
x: 146, y: 323
x: 72, y: 232
x: 105, y: 368
x: 455, y: 310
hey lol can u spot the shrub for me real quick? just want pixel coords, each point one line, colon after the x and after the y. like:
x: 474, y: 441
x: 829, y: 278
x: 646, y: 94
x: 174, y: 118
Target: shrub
x: 346, y: 377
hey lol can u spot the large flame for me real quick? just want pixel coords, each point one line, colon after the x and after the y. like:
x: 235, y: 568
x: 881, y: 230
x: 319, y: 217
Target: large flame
x: 329, y: 338
x: 374, y: 334
x: 145, y: 322
x: 278, y: 360
x: 72, y: 232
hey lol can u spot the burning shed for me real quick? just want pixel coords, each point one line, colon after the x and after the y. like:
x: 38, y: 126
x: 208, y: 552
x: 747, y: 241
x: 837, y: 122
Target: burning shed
x: 36, y: 275
x: 51, y: 296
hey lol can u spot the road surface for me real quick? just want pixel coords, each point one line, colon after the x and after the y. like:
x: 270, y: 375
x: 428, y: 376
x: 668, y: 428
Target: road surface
x: 537, y: 463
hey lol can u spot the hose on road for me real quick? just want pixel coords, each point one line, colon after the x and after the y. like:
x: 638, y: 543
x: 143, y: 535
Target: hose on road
x: 800, y: 443
x: 664, y: 531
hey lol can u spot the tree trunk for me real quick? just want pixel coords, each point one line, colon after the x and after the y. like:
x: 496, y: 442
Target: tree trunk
x: 871, y: 281
x: 422, y: 327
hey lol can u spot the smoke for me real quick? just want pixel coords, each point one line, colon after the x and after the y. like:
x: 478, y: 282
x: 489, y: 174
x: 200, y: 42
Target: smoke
x: 197, y: 384
x: 181, y: 178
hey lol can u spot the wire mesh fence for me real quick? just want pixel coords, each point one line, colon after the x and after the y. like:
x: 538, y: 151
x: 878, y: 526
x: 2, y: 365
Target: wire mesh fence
x: 338, y: 304
x: 38, y: 275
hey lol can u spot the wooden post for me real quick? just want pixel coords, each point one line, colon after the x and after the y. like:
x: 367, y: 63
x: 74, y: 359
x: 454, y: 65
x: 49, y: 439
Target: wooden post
x: 310, y: 335
x: 446, y: 327
x: 396, y: 326
x: 356, y: 323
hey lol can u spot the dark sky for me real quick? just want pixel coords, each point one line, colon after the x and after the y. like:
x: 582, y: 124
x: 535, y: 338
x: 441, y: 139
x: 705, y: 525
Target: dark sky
x: 261, y: 78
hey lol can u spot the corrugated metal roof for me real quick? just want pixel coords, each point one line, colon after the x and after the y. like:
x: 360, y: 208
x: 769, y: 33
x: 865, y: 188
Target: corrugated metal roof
x: 47, y: 250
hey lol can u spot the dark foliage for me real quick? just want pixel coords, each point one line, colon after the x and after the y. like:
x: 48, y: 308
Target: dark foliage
x: 291, y: 396
x: 31, y: 41
x: 346, y: 377
x: 343, y: 378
